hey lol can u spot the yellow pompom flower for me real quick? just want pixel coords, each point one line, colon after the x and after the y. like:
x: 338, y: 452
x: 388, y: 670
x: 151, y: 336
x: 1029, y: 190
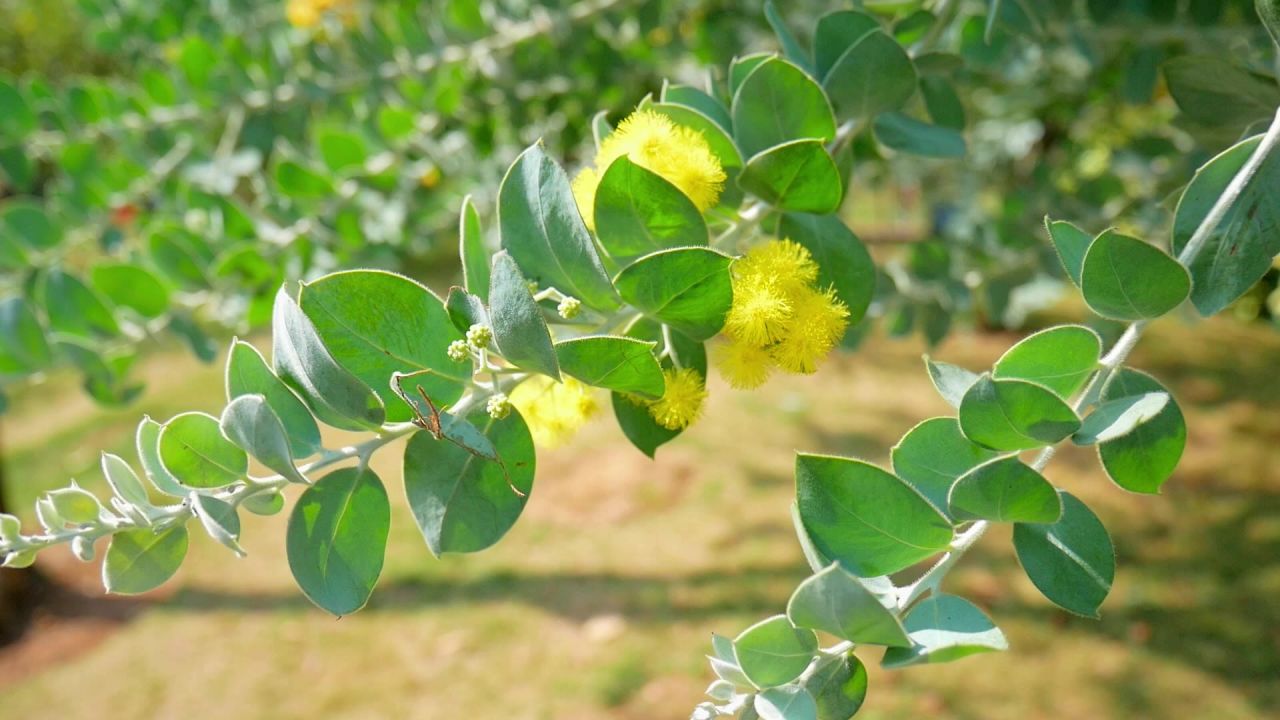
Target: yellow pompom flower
x: 744, y: 365
x: 677, y: 154
x: 554, y: 411
x: 818, y: 322
x: 759, y: 313
x: 784, y: 262
x: 308, y: 13
x: 681, y: 404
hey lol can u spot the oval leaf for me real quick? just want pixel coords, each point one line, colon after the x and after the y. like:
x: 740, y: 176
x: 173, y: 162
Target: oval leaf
x: 638, y: 212
x: 1004, y: 490
x: 337, y: 397
x: 933, y: 454
x: 909, y: 135
x: 250, y: 423
x: 1144, y: 458
x: 1060, y: 358
x: 518, y: 326
x: 872, y: 76
x: 337, y: 538
x: 460, y: 501
x: 248, y: 374
x: 870, y: 521
x: 475, y: 258
x: 774, y: 652
x: 1240, y: 249
x: 798, y: 176
x: 1117, y: 418
x: 776, y: 103
x: 142, y: 560
x: 376, y: 324
x: 197, y: 455
x: 687, y: 288
x: 836, y: 602
x: 1071, y: 561
x: 615, y: 363
x: 945, y: 628
x: 1123, y: 278
x: 543, y: 232
x: 1014, y: 415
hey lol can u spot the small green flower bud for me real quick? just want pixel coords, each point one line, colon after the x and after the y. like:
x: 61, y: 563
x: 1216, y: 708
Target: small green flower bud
x: 498, y: 406
x: 532, y: 285
x: 479, y: 336
x: 458, y: 351
x: 569, y: 308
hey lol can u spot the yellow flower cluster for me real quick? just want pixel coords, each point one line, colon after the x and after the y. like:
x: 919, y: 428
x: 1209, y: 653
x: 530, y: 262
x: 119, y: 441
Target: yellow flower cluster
x: 681, y: 403
x: 677, y: 154
x: 554, y: 411
x: 779, y: 317
x: 309, y: 13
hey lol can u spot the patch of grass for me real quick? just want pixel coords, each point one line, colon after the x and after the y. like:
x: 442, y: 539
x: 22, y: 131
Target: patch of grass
x: 661, y: 553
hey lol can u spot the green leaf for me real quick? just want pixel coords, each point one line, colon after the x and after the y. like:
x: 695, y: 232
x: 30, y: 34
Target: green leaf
x: 933, y: 454
x: 297, y: 181
x: 838, y: 686
x: 774, y: 652
x: 790, y: 46
x: 1240, y: 250
x: 907, y: 134
x: 638, y: 212
x: 786, y: 703
x: 1071, y: 561
x: 632, y: 416
x: 177, y: 261
x: 73, y: 308
x: 836, y: 602
x: 460, y: 501
x: 942, y: 102
x: 1145, y: 457
x: 798, y: 176
x: 1116, y: 418
x: 220, y: 520
x: 264, y: 503
x: 124, y: 481
x: 133, y: 287
x: 337, y: 538
x: 872, y: 76
x: 1004, y: 490
x: 741, y: 67
x: 376, y: 323
x: 301, y: 360
x: 687, y: 288
x: 148, y: 444
x: 76, y: 506
x: 340, y: 150
x: 945, y: 628
x: 518, y: 326
x: 197, y: 455
x: 870, y: 521
x: 475, y: 257
x: 16, y: 116
x: 30, y: 225
x: 951, y: 381
x: 250, y: 423
x: 836, y: 33
x: 1071, y: 243
x: 142, y: 560
x: 23, y: 347
x: 1123, y: 278
x: 248, y: 374
x: 708, y: 125
x: 843, y: 261
x: 617, y: 363
x: 1060, y: 358
x: 544, y: 234
x: 1014, y: 415
x: 776, y: 103
x: 707, y: 105
x: 1213, y: 91
x: 465, y: 309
